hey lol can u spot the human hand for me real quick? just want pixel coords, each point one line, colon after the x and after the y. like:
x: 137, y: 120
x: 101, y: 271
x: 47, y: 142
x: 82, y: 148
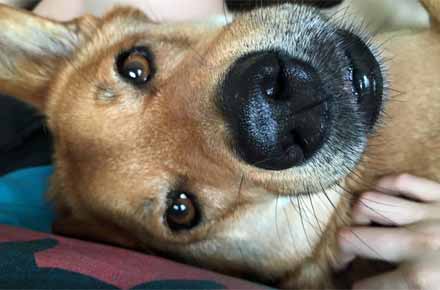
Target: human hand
x: 411, y: 210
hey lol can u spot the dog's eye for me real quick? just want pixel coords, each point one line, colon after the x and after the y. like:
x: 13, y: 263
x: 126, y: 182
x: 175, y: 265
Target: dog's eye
x: 135, y: 65
x: 182, y: 212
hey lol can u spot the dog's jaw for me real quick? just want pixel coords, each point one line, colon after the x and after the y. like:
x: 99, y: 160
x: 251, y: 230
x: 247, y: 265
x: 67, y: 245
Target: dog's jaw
x: 271, y: 239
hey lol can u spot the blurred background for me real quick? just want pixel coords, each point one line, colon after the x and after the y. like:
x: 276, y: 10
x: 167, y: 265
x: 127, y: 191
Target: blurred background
x: 376, y: 15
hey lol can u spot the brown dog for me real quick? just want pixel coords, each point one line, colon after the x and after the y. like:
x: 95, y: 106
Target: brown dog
x: 238, y: 148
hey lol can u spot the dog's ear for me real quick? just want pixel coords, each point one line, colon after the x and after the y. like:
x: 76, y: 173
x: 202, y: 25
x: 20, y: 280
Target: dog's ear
x: 31, y: 50
x: 433, y: 8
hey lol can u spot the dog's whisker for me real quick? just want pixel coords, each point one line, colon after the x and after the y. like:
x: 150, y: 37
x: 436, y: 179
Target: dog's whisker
x: 303, y: 225
x: 382, y: 215
x: 290, y: 229
x: 342, y: 220
x: 277, y: 229
x: 315, y: 214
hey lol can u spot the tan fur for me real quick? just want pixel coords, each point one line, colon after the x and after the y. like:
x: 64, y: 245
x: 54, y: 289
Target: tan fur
x: 434, y: 7
x: 119, y: 150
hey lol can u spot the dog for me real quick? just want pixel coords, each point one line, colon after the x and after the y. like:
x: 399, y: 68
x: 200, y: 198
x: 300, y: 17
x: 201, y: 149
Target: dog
x: 239, y: 148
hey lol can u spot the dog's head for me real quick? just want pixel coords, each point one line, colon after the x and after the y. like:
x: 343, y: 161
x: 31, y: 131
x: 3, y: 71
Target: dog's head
x: 187, y: 139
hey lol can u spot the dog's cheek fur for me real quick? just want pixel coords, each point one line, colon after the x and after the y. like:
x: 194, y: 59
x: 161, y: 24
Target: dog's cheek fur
x: 433, y: 6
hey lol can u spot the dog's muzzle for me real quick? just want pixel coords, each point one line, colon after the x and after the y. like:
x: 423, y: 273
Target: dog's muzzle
x: 276, y: 109
x: 279, y: 112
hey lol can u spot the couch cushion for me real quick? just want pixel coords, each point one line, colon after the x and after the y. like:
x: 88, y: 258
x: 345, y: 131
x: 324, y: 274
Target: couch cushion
x: 32, y: 260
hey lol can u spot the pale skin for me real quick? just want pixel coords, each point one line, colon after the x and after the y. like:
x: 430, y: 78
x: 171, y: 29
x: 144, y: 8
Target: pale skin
x: 413, y: 243
x: 157, y: 10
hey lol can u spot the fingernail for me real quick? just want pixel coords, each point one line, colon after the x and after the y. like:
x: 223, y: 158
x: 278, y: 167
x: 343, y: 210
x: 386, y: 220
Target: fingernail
x: 345, y: 240
x: 359, y: 218
x: 343, y: 258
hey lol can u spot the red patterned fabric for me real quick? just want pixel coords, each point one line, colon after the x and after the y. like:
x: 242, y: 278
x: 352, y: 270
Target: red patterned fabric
x: 114, y: 267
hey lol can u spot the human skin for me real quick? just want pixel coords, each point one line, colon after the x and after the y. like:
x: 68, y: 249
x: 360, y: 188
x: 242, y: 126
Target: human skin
x: 157, y: 10
x: 413, y: 241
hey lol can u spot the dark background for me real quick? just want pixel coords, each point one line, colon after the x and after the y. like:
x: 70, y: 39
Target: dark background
x: 244, y: 5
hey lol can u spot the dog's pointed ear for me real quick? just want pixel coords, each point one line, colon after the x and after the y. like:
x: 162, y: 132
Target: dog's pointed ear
x: 31, y: 50
x: 433, y: 8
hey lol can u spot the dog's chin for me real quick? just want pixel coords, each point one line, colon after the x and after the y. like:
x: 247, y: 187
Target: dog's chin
x: 326, y: 170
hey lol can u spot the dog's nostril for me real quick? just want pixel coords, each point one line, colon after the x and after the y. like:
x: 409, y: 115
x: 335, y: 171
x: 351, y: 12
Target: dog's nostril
x: 366, y: 77
x: 275, y: 107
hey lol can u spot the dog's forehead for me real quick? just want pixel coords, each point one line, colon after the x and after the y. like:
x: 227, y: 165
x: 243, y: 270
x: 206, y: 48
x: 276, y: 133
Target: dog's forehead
x: 298, y: 22
x: 183, y: 95
x: 122, y: 23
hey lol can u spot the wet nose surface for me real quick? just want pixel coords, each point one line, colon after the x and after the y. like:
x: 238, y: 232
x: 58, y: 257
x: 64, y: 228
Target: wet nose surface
x: 276, y: 110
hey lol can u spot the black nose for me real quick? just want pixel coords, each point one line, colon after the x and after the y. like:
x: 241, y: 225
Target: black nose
x: 276, y: 110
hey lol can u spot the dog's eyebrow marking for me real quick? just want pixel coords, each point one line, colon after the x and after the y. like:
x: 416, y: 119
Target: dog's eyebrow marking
x: 148, y: 203
x: 104, y: 93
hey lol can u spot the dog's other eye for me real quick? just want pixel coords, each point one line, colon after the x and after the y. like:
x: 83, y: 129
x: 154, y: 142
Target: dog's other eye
x: 135, y: 65
x: 182, y: 212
